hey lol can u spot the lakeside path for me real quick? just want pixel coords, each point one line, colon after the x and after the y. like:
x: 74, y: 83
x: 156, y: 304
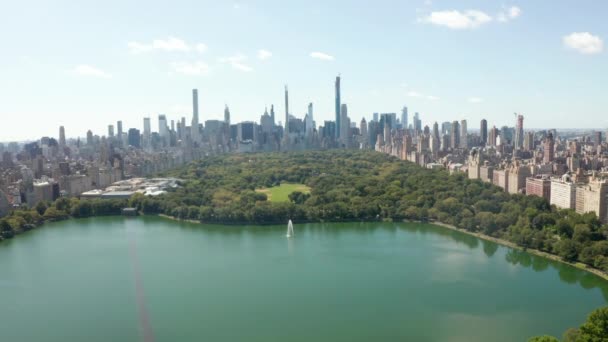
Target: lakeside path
x: 509, y: 244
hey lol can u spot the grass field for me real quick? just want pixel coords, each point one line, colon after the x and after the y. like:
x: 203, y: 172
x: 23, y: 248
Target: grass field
x: 281, y: 193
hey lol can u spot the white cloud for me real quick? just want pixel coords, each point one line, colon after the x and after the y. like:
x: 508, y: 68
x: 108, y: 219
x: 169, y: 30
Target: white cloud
x: 475, y: 99
x: 413, y: 93
x: 509, y: 14
x: 264, y: 54
x: 237, y: 62
x: 200, y: 47
x: 458, y: 20
x: 190, y: 68
x: 170, y: 44
x: 87, y: 70
x: 321, y: 56
x: 583, y: 42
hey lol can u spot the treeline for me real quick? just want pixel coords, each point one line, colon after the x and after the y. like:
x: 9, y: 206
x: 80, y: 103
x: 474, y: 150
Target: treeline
x: 348, y: 185
x: 24, y: 219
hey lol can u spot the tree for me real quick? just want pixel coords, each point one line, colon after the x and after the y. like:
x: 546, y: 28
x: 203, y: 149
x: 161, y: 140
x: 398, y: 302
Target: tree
x: 595, y: 329
x: 41, y: 207
x: 571, y: 335
x: 567, y: 249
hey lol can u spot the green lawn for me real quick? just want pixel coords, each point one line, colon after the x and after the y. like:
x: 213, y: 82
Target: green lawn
x: 281, y: 193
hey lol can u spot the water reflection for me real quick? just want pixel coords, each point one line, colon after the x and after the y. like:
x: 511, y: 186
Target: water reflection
x: 566, y: 273
x: 489, y: 248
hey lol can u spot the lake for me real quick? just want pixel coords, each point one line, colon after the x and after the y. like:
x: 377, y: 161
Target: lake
x: 152, y: 279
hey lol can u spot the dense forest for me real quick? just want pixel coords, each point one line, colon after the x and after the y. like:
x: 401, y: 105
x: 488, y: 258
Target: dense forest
x: 348, y: 185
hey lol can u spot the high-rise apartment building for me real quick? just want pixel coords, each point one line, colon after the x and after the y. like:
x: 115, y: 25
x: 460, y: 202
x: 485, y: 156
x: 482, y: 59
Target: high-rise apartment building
x: 539, y: 186
x: 483, y: 132
x: 61, y: 136
x: 593, y: 197
x: 404, y: 117
x: 195, y: 130
x: 119, y: 129
x: 563, y: 192
x: 111, y: 131
x: 549, y: 147
x: 464, y: 134
x: 455, y: 135
x: 163, y: 130
x: 519, y: 133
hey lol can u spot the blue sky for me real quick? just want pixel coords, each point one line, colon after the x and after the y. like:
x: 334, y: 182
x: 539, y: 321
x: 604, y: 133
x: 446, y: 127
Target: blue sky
x: 87, y: 64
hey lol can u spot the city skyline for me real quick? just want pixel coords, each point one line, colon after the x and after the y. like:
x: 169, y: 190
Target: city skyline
x: 502, y: 59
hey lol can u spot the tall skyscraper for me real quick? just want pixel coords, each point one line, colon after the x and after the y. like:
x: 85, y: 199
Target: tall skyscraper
x: 404, y: 117
x: 376, y: 117
x: 147, y: 132
x: 549, y: 147
x: 417, y: 123
x: 338, y: 106
x: 194, y: 127
x: 111, y: 131
x: 463, y: 134
x: 455, y: 135
x: 363, y: 131
x: 163, y: 130
x: 286, y: 125
x: 61, y: 136
x: 119, y: 129
x: 483, y: 132
x: 89, y: 137
x: 134, y: 138
x: 272, y: 115
x: 286, y: 110
x: 309, y: 120
x: 344, y: 123
x: 519, y: 133
x: 226, y: 115
x: 493, y: 136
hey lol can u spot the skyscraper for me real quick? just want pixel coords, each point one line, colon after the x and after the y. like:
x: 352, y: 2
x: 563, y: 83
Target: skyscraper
x: 194, y: 127
x: 147, y: 132
x: 286, y: 125
x: 519, y: 133
x: 338, y: 106
x: 61, y: 136
x: 89, y: 137
x: 111, y: 131
x: 417, y: 123
x: 404, y: 117
x: 134, y: 137
x: 226, y: 115
x: 483, y: 132
x: 463, y: 134
x: 163, y: 130
x: 309, y: 120
x: 344, y: 123
x: 119, y: 129
x: 272, y: 115
x: 549, y: 149
x: 455, y: 135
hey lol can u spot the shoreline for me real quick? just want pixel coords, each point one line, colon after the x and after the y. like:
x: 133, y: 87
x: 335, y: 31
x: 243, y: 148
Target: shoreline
x: 481, y: 236
x: 536, y: 252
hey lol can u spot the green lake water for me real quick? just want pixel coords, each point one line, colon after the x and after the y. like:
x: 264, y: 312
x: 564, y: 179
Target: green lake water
x: 151, y: 279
